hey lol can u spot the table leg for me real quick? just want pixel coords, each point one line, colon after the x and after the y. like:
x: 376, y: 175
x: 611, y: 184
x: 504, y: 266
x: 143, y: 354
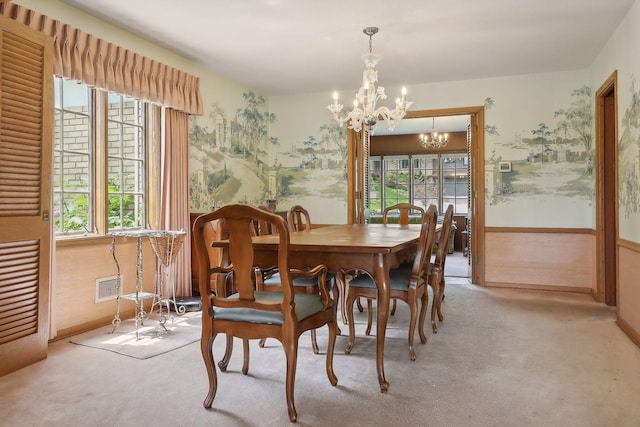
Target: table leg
x: 381, y: 274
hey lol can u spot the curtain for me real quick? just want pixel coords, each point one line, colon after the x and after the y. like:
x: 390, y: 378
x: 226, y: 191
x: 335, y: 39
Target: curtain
x: 98, y: 63
x: 175, y: 192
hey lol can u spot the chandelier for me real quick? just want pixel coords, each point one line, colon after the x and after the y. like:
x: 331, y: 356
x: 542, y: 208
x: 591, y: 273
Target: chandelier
x: 434, y: 139
x: 364, y: 106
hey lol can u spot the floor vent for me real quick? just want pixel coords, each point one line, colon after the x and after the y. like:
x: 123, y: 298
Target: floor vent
x: 107, y: 288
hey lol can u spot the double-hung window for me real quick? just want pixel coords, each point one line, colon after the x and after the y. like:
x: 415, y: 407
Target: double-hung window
x: 100, y: 160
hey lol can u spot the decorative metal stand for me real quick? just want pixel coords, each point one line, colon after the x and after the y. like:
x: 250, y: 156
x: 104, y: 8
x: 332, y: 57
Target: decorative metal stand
x: 166, y: 245
x: 139, y: 295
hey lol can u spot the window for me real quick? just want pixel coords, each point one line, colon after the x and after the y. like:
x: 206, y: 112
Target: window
x: 100, y: 160
x: 126, y: 162
x: 422, y: 180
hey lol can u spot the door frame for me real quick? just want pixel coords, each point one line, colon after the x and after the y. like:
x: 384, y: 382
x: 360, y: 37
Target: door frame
x: 477, y: 178
x: 606, y: 286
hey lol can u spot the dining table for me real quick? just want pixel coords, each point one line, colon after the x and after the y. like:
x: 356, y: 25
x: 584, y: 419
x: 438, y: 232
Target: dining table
x: 374, y: 248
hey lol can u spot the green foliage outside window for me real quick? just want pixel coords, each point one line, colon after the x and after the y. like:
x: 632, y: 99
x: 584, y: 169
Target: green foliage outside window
x: 76, y: 211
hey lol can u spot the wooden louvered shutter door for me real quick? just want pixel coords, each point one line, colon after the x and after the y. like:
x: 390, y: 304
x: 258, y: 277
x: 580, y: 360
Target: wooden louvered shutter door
x: 26, y: 123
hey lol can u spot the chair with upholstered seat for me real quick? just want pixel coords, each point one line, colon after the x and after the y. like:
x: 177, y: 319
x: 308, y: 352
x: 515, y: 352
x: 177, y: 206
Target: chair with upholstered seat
x: 298, y: 219
x: 404, y: 211
x: 252, y: 314
x: 407, y: 282
x: 436, y: 270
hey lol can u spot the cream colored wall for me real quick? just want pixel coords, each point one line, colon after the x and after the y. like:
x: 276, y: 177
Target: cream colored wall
x: 622, y: 53
x: 302, y: 115
x: 520, y: 103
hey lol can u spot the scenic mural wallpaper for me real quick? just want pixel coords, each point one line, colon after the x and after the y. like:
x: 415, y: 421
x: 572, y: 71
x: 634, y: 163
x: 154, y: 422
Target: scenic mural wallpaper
x: 546, y: 162
x: 230, y: 160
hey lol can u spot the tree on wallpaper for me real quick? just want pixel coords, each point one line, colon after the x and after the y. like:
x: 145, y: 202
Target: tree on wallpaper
x: 555, y: 160
x: 629, y: 156
x: 226, y: 163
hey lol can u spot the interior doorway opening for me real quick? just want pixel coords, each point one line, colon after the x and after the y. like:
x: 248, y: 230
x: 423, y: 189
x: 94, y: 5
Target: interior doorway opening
x: 406, y: 152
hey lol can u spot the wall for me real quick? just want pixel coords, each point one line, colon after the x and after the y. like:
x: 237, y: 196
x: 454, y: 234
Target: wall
x: 622, y: 53
x: 294, y: 152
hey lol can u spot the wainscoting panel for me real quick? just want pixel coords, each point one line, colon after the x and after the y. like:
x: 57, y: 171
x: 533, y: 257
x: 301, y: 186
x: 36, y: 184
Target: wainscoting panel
x: 628, y: 295
x: 541, y: 260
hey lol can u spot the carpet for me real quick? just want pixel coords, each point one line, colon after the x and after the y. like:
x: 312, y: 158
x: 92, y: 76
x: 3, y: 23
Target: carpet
x: 152, y: 339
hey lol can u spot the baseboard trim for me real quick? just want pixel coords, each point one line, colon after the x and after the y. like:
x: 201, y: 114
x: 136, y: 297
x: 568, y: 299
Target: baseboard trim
x: 571, y: 289
x: 87, y: 326
x: 629, y: 331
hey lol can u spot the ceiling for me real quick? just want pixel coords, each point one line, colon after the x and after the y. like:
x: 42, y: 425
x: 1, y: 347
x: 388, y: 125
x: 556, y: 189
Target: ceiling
x: 284, y: 47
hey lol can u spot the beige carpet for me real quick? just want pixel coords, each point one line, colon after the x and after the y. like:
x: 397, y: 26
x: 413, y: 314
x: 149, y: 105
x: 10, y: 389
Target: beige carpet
x: 152, y: 339
x: 501, y: 358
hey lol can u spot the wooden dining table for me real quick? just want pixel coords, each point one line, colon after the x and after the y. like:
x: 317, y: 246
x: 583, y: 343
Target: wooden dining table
x: 374, y: 248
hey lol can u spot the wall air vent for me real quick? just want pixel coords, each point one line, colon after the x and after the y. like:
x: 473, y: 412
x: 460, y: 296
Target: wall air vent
x: 107, y: 288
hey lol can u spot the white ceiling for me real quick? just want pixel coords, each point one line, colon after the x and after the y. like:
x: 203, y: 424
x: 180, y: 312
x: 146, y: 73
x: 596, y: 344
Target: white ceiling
x: 280, y: 47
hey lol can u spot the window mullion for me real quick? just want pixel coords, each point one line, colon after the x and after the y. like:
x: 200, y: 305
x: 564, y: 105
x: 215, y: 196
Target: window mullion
x: 101, y: 161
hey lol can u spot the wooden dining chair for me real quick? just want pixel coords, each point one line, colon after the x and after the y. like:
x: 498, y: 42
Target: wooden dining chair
x: 407, y: 282
x: 252, y: 314
x: 298, y: 219
x: 404, y: 211
x: 436, y: 271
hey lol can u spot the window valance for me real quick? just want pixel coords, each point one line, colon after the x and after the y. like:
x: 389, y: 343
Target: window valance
x: 98, y: 63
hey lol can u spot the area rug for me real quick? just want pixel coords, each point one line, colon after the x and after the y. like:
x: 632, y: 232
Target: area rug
x: 153, y: 340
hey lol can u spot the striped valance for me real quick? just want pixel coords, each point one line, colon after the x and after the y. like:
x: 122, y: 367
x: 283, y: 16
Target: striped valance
x: 98, y: 63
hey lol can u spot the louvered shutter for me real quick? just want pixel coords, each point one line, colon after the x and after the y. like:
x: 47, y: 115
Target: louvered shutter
x: 26, y: 110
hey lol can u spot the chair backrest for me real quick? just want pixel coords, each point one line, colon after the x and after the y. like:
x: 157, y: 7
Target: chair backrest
x: 261, y: 228
x: 427, y: 238
x: 298, y: 219
x: 404, y: 211
x: 445, y: 236
x: 238, y: 264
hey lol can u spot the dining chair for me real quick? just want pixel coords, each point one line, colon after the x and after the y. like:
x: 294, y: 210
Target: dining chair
x: 404, y: 211
x: 298, y: 219
x: 252, y: 314
x: 436, y: 270
x: 407, y: 282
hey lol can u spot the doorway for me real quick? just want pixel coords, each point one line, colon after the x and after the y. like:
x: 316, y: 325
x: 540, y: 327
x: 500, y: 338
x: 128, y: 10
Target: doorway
x: 358, y: 154
x: 606, y: 189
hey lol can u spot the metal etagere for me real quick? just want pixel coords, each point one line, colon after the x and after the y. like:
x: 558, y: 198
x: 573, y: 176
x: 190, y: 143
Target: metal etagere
x: 166, y: 245
x: 139, y: 295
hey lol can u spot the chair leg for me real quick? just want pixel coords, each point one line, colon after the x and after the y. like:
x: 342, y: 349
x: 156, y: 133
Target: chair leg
x: 333, y: 332
x: 352, y: 328
x: 206, y: 347
x: 393, y: 307
x: 342, y: 291
x: 245, y: 363
x: 291, y: 351
x: 440, y: 317
x: 434, y: 307
x: 369, y: 316
x: 423, y: 315
x: 224, y: 362
x: 413, y: 315
x: 359, y: 305
x: 261, y: 342
x: 314, y: 343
